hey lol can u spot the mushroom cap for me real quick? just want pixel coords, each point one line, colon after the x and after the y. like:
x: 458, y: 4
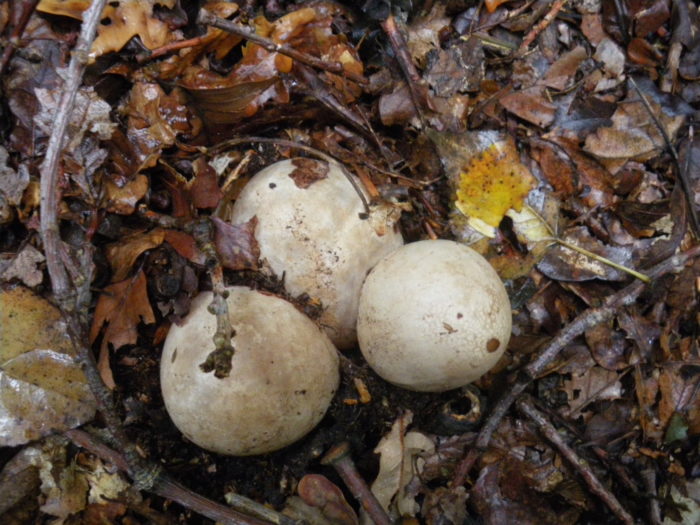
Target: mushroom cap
x: 433, y: 316
x: 283, y: 377
x: 309, y: 230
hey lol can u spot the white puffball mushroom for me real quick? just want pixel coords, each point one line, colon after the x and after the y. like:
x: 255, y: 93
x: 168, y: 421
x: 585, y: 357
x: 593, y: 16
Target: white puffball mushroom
x: 309, y: 230
x: 433, y: 316
x: 283, y: 377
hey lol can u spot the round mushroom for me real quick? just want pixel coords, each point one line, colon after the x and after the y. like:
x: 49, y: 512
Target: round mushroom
x: 313, y: 230
x: 433, y: 316
x: 284, y: 374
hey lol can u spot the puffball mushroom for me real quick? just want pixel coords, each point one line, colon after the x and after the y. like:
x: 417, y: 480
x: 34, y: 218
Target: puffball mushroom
x: 284, y: 374
x: 311, y: 232
x: 433, y: 316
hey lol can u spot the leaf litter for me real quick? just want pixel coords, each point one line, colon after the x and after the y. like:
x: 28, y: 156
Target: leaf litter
x: 536, y: 132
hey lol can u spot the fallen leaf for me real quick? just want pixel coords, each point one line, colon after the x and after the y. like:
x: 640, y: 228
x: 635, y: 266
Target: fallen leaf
x: 12, y: 182
x: 204, y: 188
x: 122, y: 254
x: 123, y: 199
x: 565, y: 264
x: 236, y: 244
x: 594, y: 384
x: 530, y: 104
x: 24, y: 267
x: 42, y: 389
x: 490, y: 184
x: 126, y: 19
x: 398, y: 464
x: 121, y: 307
x: 318, y: 491
x: 91, y: 116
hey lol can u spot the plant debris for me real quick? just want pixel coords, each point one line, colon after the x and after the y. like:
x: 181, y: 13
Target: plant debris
x: 558, y: 139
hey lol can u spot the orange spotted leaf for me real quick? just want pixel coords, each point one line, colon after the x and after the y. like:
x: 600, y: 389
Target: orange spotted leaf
x: 491, y: 183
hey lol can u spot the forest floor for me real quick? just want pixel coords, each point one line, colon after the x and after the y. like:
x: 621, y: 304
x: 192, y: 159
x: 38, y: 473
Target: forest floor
x: 555, y: 138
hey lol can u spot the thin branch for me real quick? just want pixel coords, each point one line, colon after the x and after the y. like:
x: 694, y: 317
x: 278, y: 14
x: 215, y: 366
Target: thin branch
x: 594, y: 485
x: 403, y: 57
x: 541, y: 26
x: 682, y: 172
x: 566, y: 335
x: 13, y: 42
x: 50, y: 166
x: 71, y: 285
x: 166, y: 487
x: 205, y: 17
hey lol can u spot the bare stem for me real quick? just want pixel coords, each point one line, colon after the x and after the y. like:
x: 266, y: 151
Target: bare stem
x: 166, y: 487
x: 594, y: 485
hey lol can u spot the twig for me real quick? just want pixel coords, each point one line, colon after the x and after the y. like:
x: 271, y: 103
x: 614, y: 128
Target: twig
x: 682, y: 172
x: 219, y: 359
x: 151, y: 54
x: 318, y: 90
x: 589, y: 318
x: 166, y: 487
x: 398, y: 44
x: 70, y: 284
x: 595, y: 486
x: 339, y: 458
x: 649, y: 478
x: 205, y: 17
x: 13, y: 42
x: 541, y: 26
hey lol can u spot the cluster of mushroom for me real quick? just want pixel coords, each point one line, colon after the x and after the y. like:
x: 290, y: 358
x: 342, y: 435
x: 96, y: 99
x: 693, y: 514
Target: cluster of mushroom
x: 430, y: 316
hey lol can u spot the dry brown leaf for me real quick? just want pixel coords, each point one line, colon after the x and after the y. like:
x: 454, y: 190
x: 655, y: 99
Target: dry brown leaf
x: 122, y: 254
x: 121, y: 307
x: 530, y: 104
x: 594, y: 384
x: 24, y: 267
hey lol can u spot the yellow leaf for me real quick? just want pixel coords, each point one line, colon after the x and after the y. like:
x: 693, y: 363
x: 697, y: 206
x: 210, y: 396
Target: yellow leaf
x: 491, y: 183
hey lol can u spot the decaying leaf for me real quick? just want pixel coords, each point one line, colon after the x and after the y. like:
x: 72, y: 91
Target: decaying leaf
x: 491, y: 184
x: 486, y: 172
x: 23, y: 266
x: 236, y: 244
x: 122, y: 254
x: 42, y: 389
x: 398, y: 465
x: 594, y: 384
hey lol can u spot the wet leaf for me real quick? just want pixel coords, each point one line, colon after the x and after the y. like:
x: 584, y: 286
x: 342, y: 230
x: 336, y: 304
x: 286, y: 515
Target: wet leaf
x: 123, y: 199
x: 42, y: 389
x: 126, y: 19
